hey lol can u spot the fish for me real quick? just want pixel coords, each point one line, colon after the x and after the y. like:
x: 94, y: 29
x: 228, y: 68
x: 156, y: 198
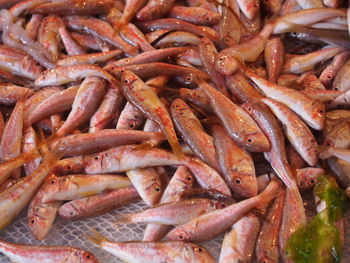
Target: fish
x: 193, y: 133
x: 236, y: 164
x: 145, y: 99
x: 148, y: 183
x: 139, y: 251
x: 42, y: 215
x: 307, y: 177
x: 67, y: 74
x: 122, y: 159
x: 130, y: 118
x: 75, y: 186
x: 310, y: 111
x: 173, y: 213
x: 10, y: 144
x: 238, y: 244
x: 50, y: 254
x: 71, y: 46
x: 11, y: 94
x: 296, y: 131
x: 154, y: 9
x: 95, y: 205
x: 17, y: 196
x: 195, y: 15
x: 233, y: 118
x: 267, y: 250
x: 181, y: 181
x: 214, y: 223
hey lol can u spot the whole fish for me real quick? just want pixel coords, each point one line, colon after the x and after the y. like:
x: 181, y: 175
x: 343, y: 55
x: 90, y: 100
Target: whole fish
x: 71, y: 187
x: 65, y: 7
x: 173, y: 213
x: 148, y: 183
x: 267, y: 250
x: 86, y: 143
x: 59, y: 102
x: 95, y: 205
x: 101, y: 29
x: 236, y: 164
x: 297, y: 132
x: 214, y: 223
x: 276, y: 156
x: 310, y: 111
x: 195, y: 15
x: 150, y: 252
x: 67, y: 74
x: 42, y: 215
x: 58, y: 254
x: 109, y: 109
x: 238, y: 124
x: 193, y: 133
x: 228, y: 59
x: 10, y: 144
x: 17, y: 196
x: 123, y: 158
x: 238, y: 244
x: 178, y: 38
x: 86, y: 102
x: 181, y: 181
x: 230, y: 28
x: 145, y: 99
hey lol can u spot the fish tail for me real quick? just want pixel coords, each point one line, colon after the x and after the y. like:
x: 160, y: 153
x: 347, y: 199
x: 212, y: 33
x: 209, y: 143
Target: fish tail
x: 270, y: 192
x: 95, y: 236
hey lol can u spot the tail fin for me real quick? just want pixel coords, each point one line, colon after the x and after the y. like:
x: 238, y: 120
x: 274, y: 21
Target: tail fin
x: 269, y: 193
x: 95, y: 237
x: 124, y: 219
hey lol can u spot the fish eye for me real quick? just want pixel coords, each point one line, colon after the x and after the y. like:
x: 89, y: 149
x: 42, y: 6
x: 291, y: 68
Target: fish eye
x: 71, y: 213
x: 126, y: 81
x: 69, y: 167
x: 96, y: 157
x: 207, y: 19
x: 336, y: 88
x: 249, y: 140
x: 198, y: 249
x: 131, y: 125
x: 312, y: 181
x: 52, y: 181
x: 88, y: 256
x: 181, y: 237
x: 189, y: 178
x: 223, y: 205
x: 238, y: 181
x: 157, y: 189
x: 32, y: 221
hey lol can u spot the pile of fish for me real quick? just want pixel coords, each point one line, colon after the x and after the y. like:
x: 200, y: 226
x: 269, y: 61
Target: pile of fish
x: 217, y: 114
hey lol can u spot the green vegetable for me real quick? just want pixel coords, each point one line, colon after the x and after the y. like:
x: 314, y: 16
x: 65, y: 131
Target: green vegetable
x: 319, y: 240
x: 328, y: 190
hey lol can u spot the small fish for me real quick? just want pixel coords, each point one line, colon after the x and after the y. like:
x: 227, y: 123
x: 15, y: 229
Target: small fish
x: 173, y: 213
x: 145, y: 99
x: 214, y: 223
x: 42, y: 215
x: 181, y: 181
x: 148, y: 183
x: 307, y: 177
x: 131, y: 118
x: 95, y: 205
x: 236, y: 164
x: 47, y: 254
x: 150, y: 252
x: 238, y: 244
x: 232, y: 118
x: 267, y: 250
x: 75, y: 186
x: 274, y: 58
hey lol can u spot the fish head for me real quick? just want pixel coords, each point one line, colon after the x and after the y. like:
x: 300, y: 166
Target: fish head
x: 128, y: 77
x: 95, y: 164
x: 218, y: 204
x: 178, y: 106
x: 256, y: 142
x: 68, y: 210
x: 32, y: 67
x: 195, y: 253
x: 86, y: 257
x: 244, y: 185
x: 178, y: 234
x: 226, y: 64
x: 317, y: 116
x: 39, y: 221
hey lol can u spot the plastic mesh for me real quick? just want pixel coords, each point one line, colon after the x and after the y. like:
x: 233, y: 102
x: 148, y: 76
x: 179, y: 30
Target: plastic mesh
x: 71, y: 233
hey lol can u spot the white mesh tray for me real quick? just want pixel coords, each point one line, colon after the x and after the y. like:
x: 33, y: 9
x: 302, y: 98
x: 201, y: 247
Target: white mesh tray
x: 71, y: 233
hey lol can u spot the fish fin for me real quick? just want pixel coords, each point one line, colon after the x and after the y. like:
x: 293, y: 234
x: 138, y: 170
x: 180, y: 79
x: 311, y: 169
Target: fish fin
x: 95, y: 237
x: 124, y: 219
x: 269, y: 193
